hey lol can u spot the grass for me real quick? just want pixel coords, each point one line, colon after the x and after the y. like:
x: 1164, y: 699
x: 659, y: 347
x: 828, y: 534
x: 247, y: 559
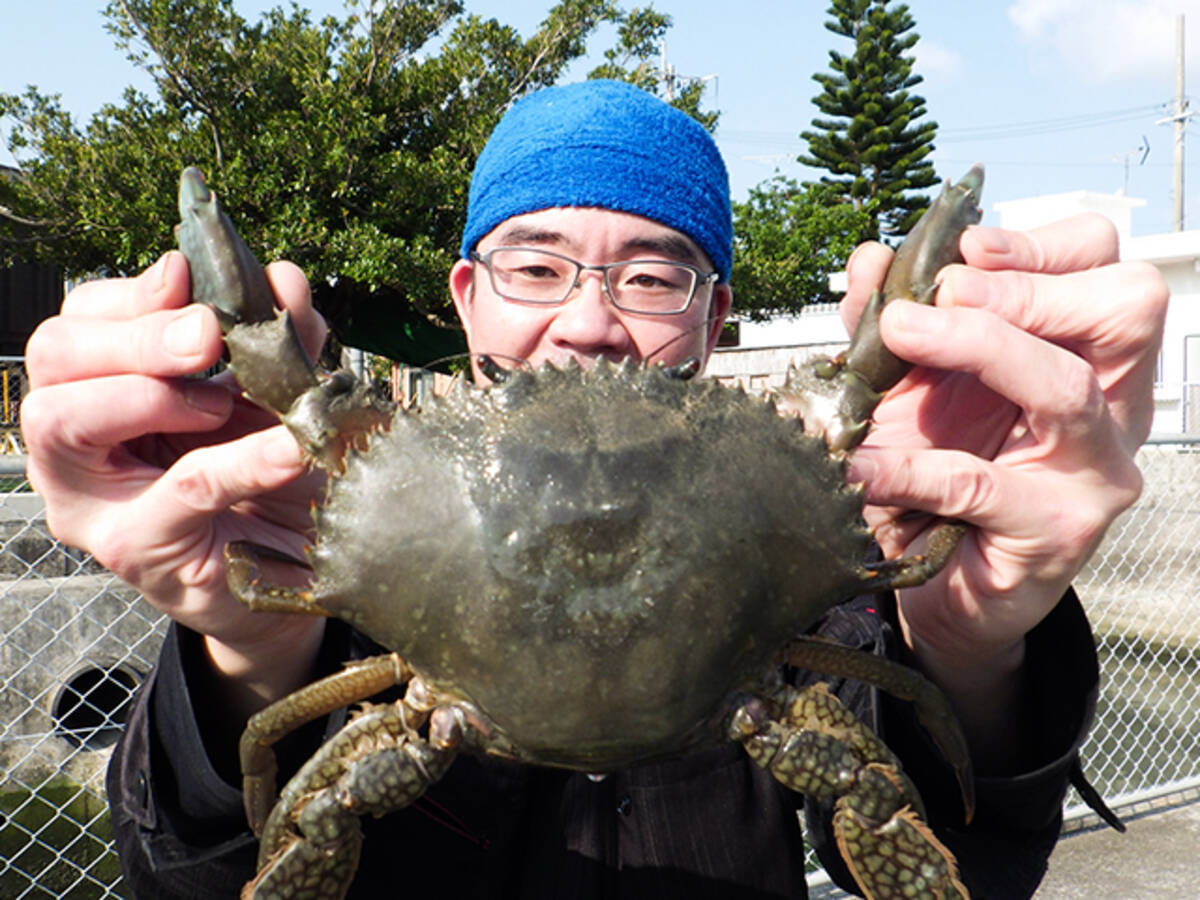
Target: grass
x: 56, y: 843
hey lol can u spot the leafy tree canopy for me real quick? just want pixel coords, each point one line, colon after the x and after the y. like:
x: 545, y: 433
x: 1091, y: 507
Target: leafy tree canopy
x: 788, y: 238
x: 870, y: 139
x: 345, y: 145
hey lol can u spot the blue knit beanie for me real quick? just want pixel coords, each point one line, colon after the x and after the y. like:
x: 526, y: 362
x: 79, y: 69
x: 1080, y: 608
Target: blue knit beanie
x: 604, y: 144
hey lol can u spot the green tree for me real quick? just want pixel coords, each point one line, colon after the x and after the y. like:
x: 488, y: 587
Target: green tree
x: 345, y: 145
x: 788, y: 238
x: 632, y: 59
x: 871, y: 141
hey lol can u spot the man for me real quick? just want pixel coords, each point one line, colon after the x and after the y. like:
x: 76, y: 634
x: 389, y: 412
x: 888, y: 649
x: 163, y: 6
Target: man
x: 1032, y: 393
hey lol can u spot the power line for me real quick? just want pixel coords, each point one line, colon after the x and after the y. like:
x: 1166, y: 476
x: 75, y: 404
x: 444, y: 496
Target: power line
x: 1048, y: 126
x: 1030, y: 128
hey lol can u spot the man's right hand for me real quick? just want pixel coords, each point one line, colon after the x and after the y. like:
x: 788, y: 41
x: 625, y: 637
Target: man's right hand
x: 153, y: 473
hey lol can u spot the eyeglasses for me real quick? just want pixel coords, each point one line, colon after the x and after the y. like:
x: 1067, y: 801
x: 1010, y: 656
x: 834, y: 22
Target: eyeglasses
x: 652, y: 287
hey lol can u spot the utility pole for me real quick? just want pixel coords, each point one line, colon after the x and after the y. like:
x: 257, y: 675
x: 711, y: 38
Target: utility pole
x: 1179, y: 120
x: 671, y: 79
x: 666, y: 73
x: 1181, y: 117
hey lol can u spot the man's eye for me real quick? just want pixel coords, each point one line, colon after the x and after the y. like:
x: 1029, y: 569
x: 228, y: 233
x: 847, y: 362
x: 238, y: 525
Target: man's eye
x: 643, y: 280
x: 537, y: 272
x: 654, y: 278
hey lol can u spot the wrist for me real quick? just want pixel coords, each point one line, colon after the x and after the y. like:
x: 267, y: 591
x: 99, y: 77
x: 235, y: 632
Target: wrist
x: 261, y: 665
x: 987, y: 691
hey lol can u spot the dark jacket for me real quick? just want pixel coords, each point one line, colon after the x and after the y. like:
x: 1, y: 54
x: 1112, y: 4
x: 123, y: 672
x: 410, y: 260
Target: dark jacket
x: 709, y: 825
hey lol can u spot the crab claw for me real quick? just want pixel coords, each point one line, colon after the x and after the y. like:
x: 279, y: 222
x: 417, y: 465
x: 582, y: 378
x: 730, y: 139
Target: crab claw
x: 268, y: 359
x: 225, y: 275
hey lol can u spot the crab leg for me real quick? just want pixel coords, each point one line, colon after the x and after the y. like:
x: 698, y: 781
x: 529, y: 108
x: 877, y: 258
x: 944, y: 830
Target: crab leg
x: 817, y: 747
x: 835, y: 397
x: 358, y: 681
x: 326, y: 414
x: 932, y: 708
x: 378, y: 763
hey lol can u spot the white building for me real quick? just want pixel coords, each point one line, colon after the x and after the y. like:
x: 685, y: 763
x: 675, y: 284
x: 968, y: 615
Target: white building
x: 764, y: 349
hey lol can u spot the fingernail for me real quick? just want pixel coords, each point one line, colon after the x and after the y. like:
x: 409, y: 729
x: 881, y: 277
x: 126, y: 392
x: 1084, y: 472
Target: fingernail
x: 157, y: 273
x: 861, y: 470
x: 182, y: 337
x: 207, y: 398
x: 993, y: 240
x: 281, y: 449
x: 850, y: 259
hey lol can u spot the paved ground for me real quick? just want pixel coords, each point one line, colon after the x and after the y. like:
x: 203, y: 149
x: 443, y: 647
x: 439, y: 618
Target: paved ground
x: 1158, y: 857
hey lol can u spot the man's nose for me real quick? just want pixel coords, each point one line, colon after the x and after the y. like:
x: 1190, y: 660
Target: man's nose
x: 587, y: 320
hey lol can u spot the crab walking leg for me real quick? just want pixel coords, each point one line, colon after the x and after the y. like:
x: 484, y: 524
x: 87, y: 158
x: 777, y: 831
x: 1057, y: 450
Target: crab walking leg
x: 378, y: 763
x: 817, y: 747
x: 934, y: 711
x: 358, y: 681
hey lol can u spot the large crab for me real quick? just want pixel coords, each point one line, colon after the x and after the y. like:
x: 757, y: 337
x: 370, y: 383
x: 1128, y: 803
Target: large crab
x: 586, y: 569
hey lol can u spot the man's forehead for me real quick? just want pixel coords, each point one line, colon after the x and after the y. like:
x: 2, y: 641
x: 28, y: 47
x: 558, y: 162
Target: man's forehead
x: 572, y: 229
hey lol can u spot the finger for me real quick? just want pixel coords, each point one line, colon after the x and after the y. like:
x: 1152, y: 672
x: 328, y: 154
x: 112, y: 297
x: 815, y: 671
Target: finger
x: 1098, y: 312
x: 69, y: 426
x: 292, y: 293
x: 210, y: 480
x: 1042, y: 515
x: 1057, y: 389
x: 865, y: 270
x: 162, y: 286
x: 1117, y: 328
x: 164, y: 343
x: 1081, y: 242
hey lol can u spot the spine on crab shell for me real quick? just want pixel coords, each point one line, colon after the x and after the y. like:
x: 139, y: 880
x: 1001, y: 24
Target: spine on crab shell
x: 836, y: 396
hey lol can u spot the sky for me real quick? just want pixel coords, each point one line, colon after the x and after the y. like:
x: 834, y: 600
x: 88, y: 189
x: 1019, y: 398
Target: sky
x: 1051, y: 96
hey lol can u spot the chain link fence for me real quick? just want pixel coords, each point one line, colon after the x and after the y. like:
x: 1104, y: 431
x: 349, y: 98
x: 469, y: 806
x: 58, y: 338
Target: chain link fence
x: 76, y: 643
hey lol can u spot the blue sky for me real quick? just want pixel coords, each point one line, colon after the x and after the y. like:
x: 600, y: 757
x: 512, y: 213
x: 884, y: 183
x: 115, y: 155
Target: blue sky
x: 1051, y: 95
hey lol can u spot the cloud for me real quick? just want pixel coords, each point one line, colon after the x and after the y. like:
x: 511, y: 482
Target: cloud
x: 1111, y: 41
x: 934, y: 59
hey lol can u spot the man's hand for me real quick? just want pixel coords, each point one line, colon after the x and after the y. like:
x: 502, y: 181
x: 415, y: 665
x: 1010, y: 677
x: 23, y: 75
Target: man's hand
x: 1033, y: 390
x: 153, y: 473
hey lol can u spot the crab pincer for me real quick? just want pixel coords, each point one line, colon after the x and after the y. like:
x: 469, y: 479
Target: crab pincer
x: 326, y: 412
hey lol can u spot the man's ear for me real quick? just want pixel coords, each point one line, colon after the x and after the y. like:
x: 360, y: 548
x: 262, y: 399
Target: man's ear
x: 722, y: 300
x: 462, y: 290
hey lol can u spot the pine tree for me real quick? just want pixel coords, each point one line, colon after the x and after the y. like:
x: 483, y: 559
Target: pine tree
x: 872, y: 142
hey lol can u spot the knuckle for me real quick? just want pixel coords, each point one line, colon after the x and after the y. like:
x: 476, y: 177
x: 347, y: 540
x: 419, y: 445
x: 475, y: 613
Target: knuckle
x: 1145, y: 296
x: 1021, y: 296
x: 1101, y: 233
x: 1080, y: 397
x: 43, y: 350
x: 113, y: 548
x: 194, y: 484
x: 969, y: 490
x: 1080, y: 528
x: 79, y: 299
x: 40, y: 419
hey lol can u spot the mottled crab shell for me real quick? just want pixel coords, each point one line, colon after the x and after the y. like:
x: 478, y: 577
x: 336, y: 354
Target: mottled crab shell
x: 596, y: 560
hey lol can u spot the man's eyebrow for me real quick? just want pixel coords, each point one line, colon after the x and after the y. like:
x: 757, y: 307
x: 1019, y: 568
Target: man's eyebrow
x: 668, y: 246
x: 515, y: 234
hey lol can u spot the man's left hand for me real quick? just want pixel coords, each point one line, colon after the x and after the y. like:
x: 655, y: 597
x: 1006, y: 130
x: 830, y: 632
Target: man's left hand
x: 1031, y: 393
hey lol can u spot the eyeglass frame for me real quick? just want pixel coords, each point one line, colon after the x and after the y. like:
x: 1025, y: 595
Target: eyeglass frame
x: 699, y: 278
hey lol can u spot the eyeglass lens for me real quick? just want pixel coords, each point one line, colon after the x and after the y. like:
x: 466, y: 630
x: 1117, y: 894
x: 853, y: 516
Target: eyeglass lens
x: 536, y: 276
